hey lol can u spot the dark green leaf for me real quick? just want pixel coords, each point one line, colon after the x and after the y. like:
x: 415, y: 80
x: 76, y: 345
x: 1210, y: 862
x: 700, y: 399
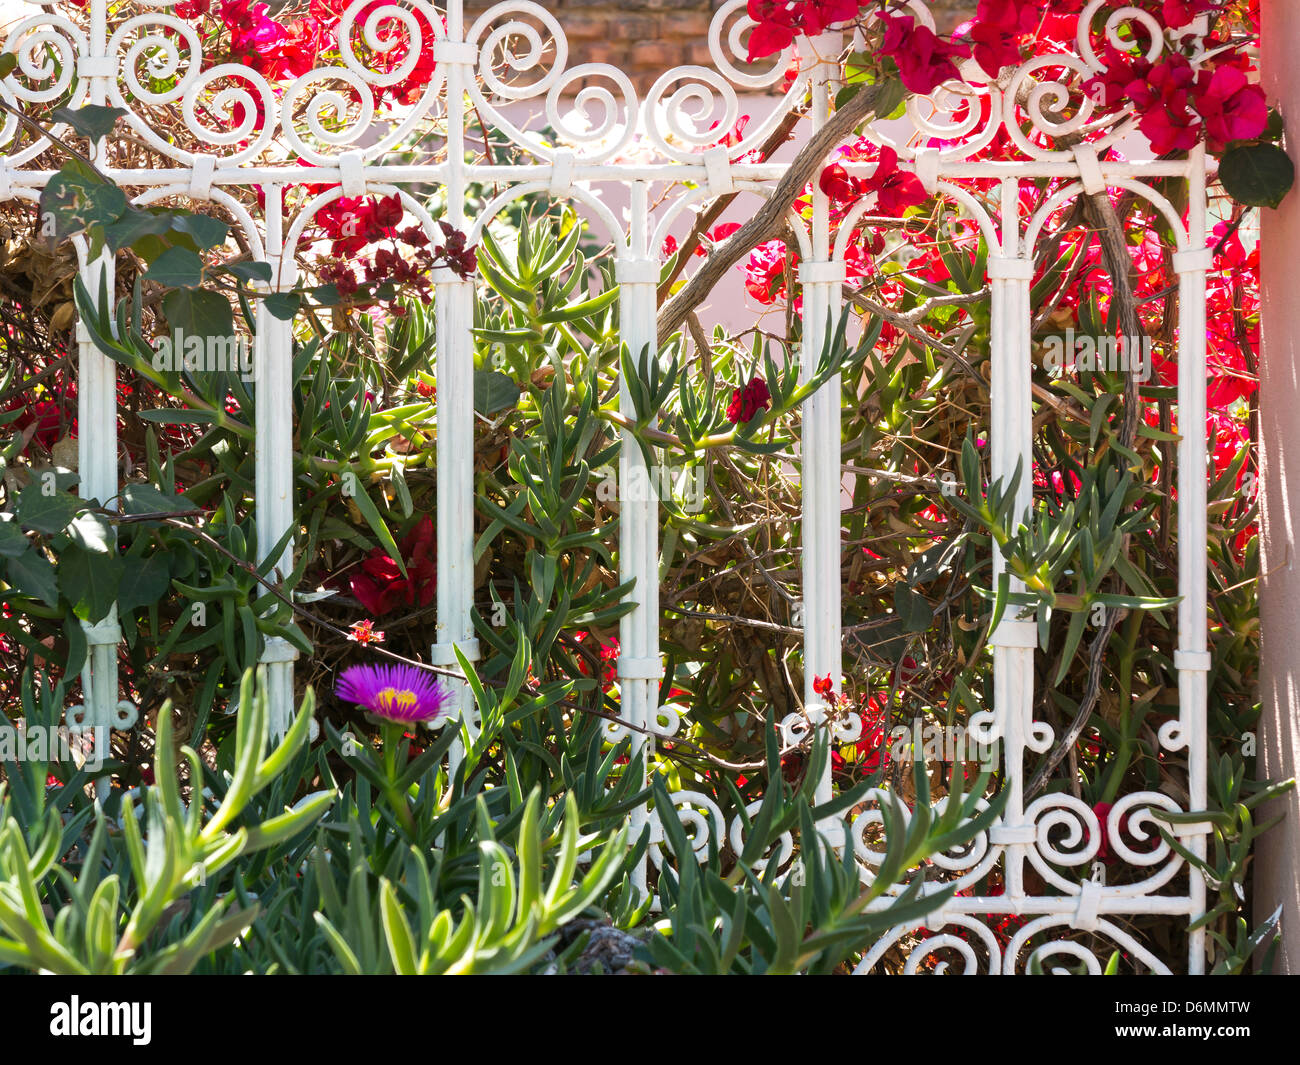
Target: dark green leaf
x: 249, y: 271
x: 12, y: 541
x: 208, y: 232
x: 283, y: 305
x: 914, y: 611
x: 32, y: 574
x: 90, y: 120
x: 179, y: 417
x: 144, y: 581
x: 494, y: 391
x: 92, y: 533
x: 1258, y: 175
x: 46, y: 512
x: 890, y: 97
x: 133, y: 226
x: 146, y: 499
x: 199, y: 312
x: 76, y: 198
x: 176, y: 268
x: 89, y: 581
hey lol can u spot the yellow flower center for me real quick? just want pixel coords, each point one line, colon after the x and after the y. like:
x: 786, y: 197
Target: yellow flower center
x: 395, y: 701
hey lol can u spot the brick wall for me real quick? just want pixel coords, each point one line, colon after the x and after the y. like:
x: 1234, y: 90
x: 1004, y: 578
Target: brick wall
x: 641, y: 37
x: 646, y: 37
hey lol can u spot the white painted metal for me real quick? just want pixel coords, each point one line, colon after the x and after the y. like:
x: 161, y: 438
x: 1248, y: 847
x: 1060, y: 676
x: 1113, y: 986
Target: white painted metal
x: 606, y: 134
x: 455, y: 376
x: 823, y: 280
x: 273, y: 454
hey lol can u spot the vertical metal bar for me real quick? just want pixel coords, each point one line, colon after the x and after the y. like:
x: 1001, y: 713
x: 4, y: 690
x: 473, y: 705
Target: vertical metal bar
x: 639, y: 666
x: 454, y: 369
x: 1193, y: 658
x: 1010, y: 444
x: 822, y: 280
x: 273, y: 453
x: 97, y: 420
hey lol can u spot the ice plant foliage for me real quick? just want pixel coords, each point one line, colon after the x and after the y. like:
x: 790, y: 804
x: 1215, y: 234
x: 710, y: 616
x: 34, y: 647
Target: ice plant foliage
x: 398, y: 693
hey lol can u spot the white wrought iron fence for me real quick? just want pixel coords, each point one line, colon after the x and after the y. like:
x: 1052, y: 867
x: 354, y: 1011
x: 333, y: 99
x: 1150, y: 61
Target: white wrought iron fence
x: 80, y: 62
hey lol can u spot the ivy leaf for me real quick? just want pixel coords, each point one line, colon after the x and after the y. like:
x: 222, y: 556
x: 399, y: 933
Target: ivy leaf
x: 198, y: 312
x: 146, y: 499
x: 249, y: 272
x: 12, y: 541
x: 283, y: 305
x: 92, y: 120
x: 891, y: 96
x: 1258, y: 175
x: 144, y: 581
x: 494, y: 391
x: 89, y: 581
x: 8, y: 64
x: 75, y: 199
x: 92, y: 533
x: 134, y: 225
x: 149, y: 246
x: 326, y: 295
x: 857, y: 69
x: 207, y: 232
x: 914, y: 611
x: 45, y: 512
x: 32, y: 574
x: 176, y: 268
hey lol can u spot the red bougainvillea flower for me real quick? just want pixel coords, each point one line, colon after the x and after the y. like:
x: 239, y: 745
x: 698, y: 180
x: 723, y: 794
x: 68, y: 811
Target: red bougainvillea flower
x: 823, y: 685
x: 870, y: 751
x: 715, y: 236
x: 734, y: 137
x: 925, y: 60
x: 275, y: 51
x: 1165, y: 101
x: 380, y: 586
x: 363, y: 632
x: 398, y: 693
x: 838, y: 185
x: 748, y: 401
x: 896, y: 190
x: 1110, y: 87
x: 1228, y: 438
x: 42, y: 420
x: 352, y: 222
x: 1179, y: 13
x: 1231, y: 107
x: 1104, y: 853
x: 609, y: 651
x: 998, y: 28
x: 780, y: 21
x: 288, y: 51
x: 765, y: 272
x: 461, y: 259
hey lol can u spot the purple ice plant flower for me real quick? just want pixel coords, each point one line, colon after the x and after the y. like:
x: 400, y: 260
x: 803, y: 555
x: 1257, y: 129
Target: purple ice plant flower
x: 399, y: 693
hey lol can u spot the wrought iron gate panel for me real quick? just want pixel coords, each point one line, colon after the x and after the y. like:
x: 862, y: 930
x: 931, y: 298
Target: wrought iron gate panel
x: 103, y: 65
